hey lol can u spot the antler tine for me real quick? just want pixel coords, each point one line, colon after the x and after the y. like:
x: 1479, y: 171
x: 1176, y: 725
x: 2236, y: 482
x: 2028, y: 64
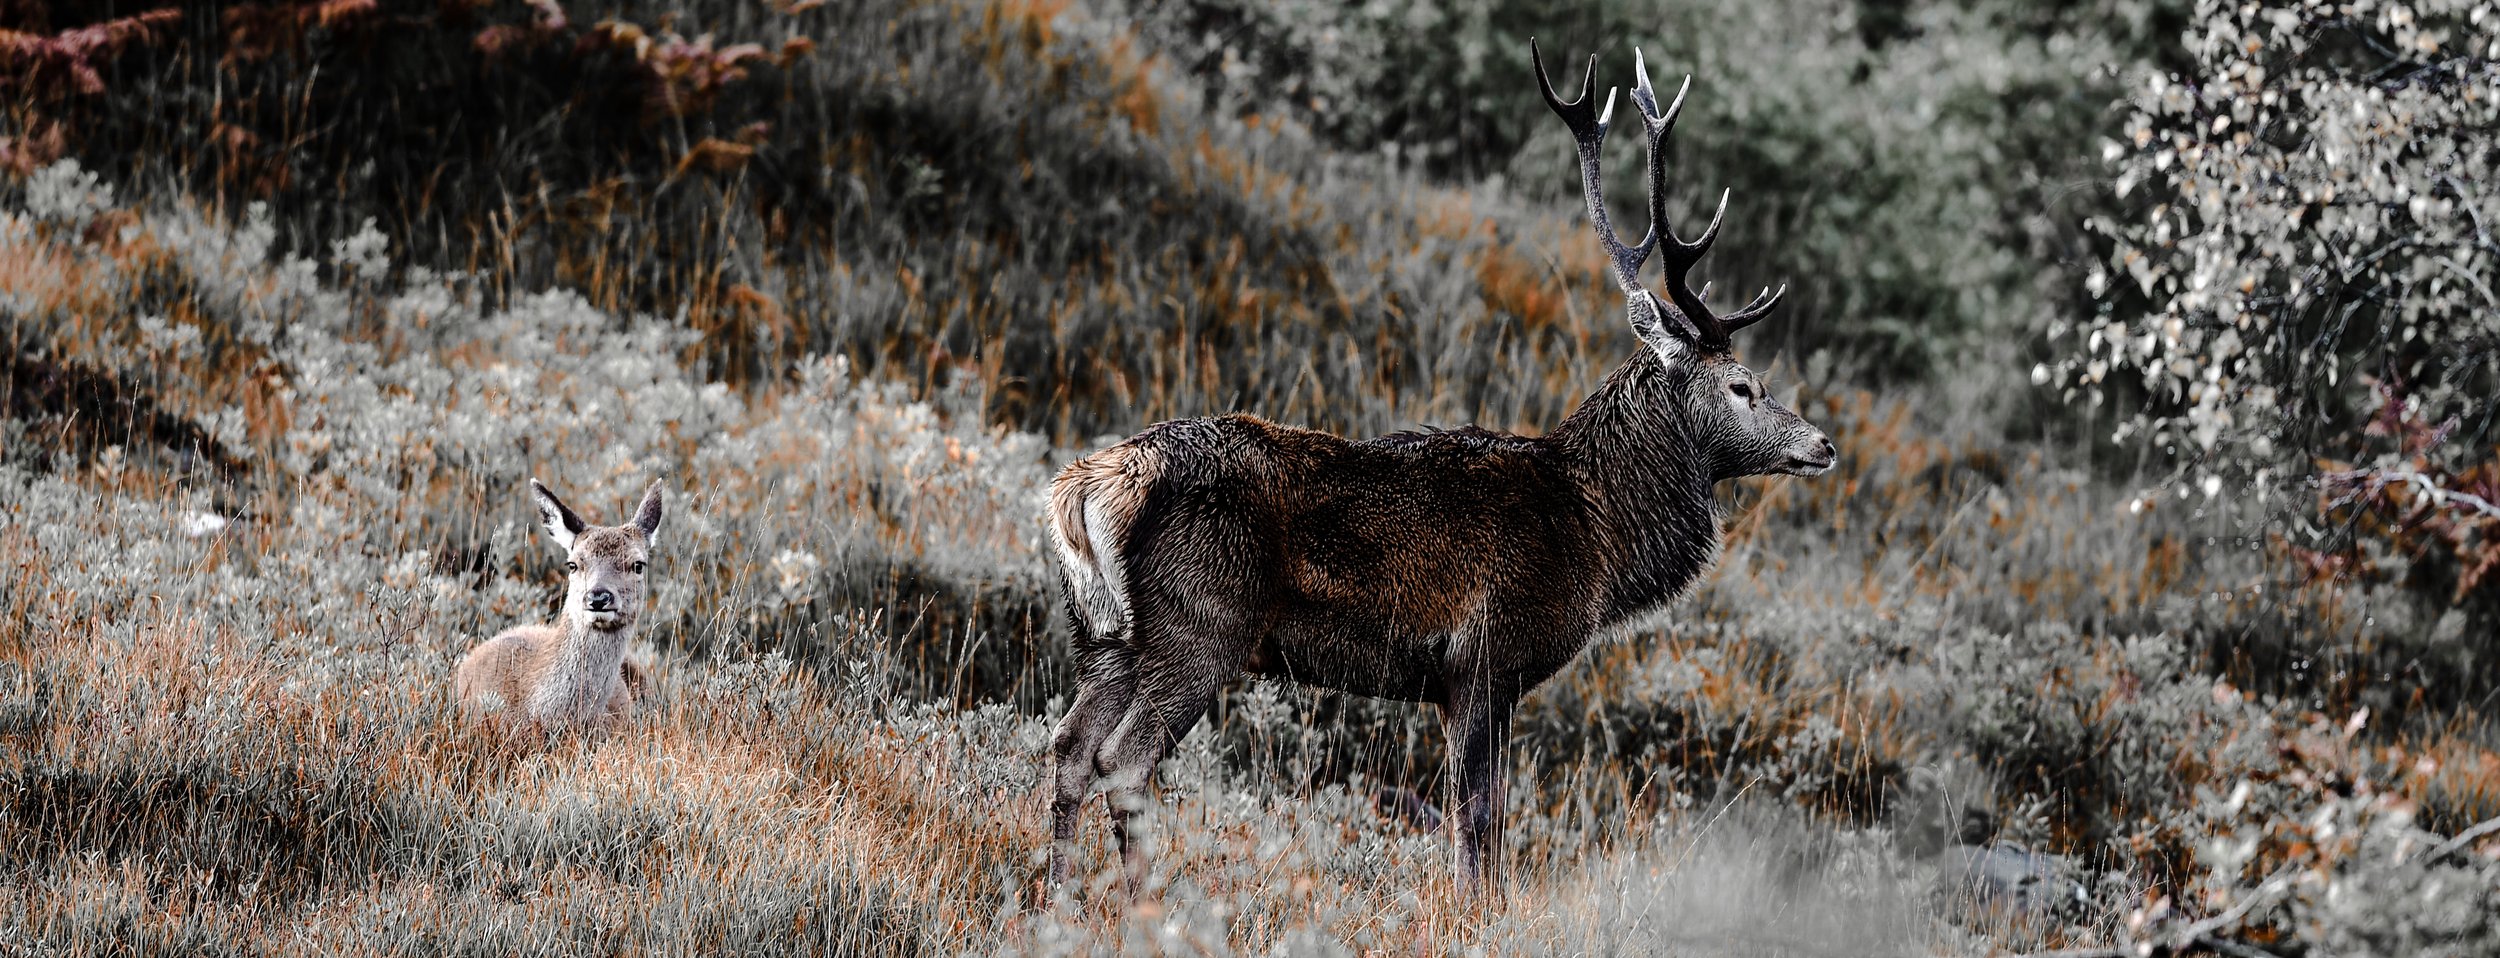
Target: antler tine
x: 1588, y: 129
x: 1580, y: 113
x: 1647, y: 97
x: 1754, y: 311
x: 1679, y: 256
x: 1709, y: 234
x: 1658, y: 124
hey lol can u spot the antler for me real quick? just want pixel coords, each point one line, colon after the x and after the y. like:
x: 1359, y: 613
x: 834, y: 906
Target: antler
x: 1589, y: 128
x: 1680, y: 256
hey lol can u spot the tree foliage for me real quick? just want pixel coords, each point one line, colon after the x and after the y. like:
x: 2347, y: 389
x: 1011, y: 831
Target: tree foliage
x: 1907, y: 167
x: 2304, y: 293
x: 2310, y: 243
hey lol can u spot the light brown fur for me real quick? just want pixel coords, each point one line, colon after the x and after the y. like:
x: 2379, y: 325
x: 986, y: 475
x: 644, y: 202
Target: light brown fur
x: 572, y: 675
x: 1114, y: 481
x: 499, y: 674
x: 1095, y: 497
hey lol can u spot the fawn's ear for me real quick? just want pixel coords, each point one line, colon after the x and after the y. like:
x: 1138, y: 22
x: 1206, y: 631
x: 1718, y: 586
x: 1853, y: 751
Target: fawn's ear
x: 559, y: 519
x: 648, y: 517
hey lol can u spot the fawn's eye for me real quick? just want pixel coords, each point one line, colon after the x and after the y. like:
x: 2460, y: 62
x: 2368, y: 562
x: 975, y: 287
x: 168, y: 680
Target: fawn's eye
x: 638, y: 568
x: 572, y: 567
x: 1742, y: 390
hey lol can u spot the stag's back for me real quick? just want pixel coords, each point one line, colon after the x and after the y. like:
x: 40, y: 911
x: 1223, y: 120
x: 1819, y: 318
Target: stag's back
x: 1368, y: 553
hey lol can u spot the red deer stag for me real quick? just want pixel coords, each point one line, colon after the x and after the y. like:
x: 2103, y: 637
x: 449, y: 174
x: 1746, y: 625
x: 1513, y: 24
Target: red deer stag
x: 1459, y: 567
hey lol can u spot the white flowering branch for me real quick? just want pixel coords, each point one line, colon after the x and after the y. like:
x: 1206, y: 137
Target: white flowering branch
x: 2371, y: 481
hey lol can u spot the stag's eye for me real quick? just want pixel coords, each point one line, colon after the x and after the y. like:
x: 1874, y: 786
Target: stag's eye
x: 572, y: 567
x: 638, y: 568
x: 1743, y: 390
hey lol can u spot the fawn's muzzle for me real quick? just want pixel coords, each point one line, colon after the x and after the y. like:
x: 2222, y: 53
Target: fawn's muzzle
x: 600, y: 600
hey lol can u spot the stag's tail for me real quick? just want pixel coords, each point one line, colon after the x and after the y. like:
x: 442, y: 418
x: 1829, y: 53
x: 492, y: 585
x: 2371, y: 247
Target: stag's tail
x: 1093, y: 503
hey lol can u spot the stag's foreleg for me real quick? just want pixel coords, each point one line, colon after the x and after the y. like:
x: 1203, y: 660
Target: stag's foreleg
x: 1476, y: 719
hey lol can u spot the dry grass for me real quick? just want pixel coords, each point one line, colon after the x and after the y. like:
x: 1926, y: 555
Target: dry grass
x: 224, y: 655
x: 242, y: 736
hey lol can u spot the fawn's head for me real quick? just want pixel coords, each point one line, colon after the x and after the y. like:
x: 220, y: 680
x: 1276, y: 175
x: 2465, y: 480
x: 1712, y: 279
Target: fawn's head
x: 604, y: 565
x: 1742, y: 430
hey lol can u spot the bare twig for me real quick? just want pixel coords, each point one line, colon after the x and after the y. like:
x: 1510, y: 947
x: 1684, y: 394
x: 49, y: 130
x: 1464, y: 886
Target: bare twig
x: 2113, y: 952
x: 2464, y: 838
x: 2205, y: 935
x: 2232, y: 948
x: 2469, y: 277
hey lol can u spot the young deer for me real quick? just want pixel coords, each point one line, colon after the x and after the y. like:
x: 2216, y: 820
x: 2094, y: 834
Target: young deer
x: 572, y: 675
x: 1460, y: 567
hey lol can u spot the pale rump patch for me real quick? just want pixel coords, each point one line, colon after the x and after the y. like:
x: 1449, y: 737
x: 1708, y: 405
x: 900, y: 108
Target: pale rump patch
x: 1093, y: 502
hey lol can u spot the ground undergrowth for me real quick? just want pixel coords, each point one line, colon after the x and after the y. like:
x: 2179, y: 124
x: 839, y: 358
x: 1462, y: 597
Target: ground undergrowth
x: 263, y: 486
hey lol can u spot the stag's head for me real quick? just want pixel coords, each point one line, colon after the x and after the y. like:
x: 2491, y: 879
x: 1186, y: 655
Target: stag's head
x: 604, y: 565
x: 1740, y: 427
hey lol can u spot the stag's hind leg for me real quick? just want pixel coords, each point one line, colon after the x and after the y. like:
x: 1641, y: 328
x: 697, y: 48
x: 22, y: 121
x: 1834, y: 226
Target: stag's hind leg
x: 1105, y: 685
x: 1182, y: 661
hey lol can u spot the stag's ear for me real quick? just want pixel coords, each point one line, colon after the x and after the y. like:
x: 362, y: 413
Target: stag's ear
x: 559, y: 518
x: 1663, y: 328
x: 648, y: 517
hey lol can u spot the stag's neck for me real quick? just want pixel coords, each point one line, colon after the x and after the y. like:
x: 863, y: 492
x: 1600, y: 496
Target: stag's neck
x: 1636, y: 452
x: 587, y: 668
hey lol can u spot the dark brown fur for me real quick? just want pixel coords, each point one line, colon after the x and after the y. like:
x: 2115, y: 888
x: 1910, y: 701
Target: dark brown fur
x: 1460, y: 567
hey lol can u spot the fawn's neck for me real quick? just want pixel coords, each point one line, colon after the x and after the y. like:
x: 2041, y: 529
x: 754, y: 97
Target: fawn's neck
x: 584, y: 674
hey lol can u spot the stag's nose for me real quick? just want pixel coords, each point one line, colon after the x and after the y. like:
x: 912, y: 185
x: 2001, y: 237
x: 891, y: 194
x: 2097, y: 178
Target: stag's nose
x: 1818, y: 458
x: 601, y: 600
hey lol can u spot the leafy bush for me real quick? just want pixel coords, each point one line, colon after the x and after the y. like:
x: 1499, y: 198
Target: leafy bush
x: 2302, y: 295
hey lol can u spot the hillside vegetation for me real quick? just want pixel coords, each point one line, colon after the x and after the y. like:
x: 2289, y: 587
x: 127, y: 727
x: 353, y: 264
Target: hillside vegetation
x: 298, y: 295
